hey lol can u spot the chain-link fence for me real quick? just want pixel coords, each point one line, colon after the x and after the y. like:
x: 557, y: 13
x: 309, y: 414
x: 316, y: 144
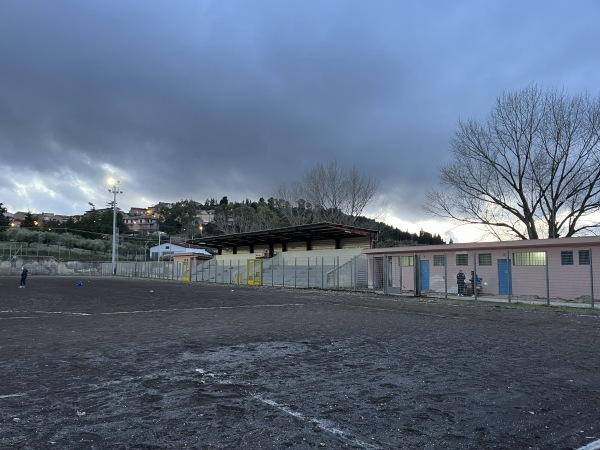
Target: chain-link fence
x: 538, y: 277
x: 321, y: 272
x: 547, y: 277
x: 47, y: 265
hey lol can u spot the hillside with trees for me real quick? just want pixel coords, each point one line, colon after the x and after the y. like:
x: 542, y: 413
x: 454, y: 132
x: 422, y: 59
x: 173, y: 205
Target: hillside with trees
x: 325, y: 193
x: 240, y: 217
x: 90, y: 237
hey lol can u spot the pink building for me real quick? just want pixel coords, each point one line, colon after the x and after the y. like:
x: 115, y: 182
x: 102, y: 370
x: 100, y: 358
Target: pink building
x: 543, y: 268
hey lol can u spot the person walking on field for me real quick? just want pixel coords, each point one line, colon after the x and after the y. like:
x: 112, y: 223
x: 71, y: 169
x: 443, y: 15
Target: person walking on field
x: 460, y: 281
x: 23, y: 277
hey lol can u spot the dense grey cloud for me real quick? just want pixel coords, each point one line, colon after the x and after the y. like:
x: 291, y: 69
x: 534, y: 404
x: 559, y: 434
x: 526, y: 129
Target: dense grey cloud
x: 204, y: 99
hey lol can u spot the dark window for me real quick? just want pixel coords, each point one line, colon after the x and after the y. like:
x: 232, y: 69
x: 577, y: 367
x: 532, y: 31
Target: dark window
x: 566, y: 258
x: 584, y: 257
x: 439, y: 260
x: 485, y: 259
x: 462, y: 259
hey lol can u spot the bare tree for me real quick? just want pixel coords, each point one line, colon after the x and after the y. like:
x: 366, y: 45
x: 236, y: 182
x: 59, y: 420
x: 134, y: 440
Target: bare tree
x: 265, y: 217
x: 291, y: 205
x: 328, y: 193
x: 324, y: 187
x: 360, y: 192
x: 532, y: 170
x: 243, y: 219
x: 223, y: 220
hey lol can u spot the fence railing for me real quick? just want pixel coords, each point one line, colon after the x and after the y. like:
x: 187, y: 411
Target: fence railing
x: 389, y: 274
x: 546, y: 280
x: 319, y: 272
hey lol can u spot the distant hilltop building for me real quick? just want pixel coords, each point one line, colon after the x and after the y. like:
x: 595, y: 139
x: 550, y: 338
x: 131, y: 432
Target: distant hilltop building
x: 141, y: 220
x: 17, y: 218
x: 138, y: 220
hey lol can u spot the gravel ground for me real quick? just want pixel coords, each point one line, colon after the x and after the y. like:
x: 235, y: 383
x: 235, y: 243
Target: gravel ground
x: 150, y: 364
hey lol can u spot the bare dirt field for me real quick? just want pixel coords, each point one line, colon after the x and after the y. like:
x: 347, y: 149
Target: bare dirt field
x: 149, y: 364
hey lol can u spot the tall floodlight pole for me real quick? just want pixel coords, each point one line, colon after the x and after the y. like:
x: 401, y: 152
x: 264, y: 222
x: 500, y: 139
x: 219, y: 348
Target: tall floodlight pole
x: 114, y: 190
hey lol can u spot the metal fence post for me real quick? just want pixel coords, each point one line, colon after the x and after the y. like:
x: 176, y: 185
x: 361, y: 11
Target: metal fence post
x: 445, y: 276
x: 474, y: 276
x: 385, y: 274
x: 591, y: 278
x: 374, y: 275
x: 337, y: 273
x: 509, y: 275
x: 352, y: 277
x: 400, y: 268
x: 547, y: 281
x: 417, y: 274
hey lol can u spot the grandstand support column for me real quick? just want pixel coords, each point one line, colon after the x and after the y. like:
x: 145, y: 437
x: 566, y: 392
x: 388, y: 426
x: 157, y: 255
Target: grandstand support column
x: 114, y: 190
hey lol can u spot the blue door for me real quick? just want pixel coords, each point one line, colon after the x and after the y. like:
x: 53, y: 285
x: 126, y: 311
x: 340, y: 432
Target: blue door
x: 424, y: 275
x: 504, y: 277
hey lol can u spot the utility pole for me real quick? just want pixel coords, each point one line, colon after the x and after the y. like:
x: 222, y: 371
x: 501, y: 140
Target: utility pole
x: 114, y: 190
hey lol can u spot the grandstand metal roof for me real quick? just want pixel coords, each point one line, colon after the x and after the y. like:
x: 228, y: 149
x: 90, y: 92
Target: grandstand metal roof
x: 300, y: 233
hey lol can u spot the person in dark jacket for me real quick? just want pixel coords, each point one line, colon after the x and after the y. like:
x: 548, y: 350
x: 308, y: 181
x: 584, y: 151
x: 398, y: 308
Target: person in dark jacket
x: 23, y: 277
x: 460, y: 281
x: 475, y: 283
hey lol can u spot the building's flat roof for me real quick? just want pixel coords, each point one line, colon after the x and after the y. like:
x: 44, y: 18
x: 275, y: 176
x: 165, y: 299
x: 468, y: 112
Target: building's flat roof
x: 300, y: 233
x: 578, y: 241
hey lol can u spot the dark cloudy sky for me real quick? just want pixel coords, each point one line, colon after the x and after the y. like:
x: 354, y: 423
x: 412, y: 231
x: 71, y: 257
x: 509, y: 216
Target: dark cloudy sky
x: 204, y: 99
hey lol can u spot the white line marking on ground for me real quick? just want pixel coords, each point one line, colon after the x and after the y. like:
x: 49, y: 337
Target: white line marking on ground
x: 12, y: 395
x: 324, y: 424
x: 202, y: 308
x: 68, y: 313
x: 149, y: 310
x: 17, y: 317
x: 44, y: 312
x: 63, y: 312
x: 591, y: 446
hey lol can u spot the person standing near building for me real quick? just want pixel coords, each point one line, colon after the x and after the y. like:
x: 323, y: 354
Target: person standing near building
x: 475, y: 283
x: 24, y: 272
x: 460, y: 281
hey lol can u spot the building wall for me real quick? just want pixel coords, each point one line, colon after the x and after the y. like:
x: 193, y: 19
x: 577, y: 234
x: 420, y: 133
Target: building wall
x: 300, y: 246
x: 328, y: 244
x: 356, y: 243
x: 295, y: 246
x: 573, y: 281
